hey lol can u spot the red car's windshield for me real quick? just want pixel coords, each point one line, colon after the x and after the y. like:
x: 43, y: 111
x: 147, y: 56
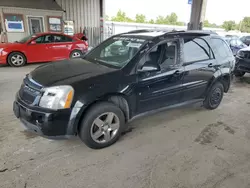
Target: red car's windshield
x: 26, y: 39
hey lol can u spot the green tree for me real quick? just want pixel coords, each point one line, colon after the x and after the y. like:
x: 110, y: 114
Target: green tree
x: 244, y: 26
x: 206, y: 23
x: 161, y: 20
x: 151, y: 21
x: 172, y: 19
x: 180, y: 23
x: 229, y: 25
x: 140, y: 18
x: 121, y: 17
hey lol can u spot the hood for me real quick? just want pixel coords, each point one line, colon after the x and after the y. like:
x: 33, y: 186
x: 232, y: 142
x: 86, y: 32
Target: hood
x: 5, y: 45
x: 67, y: 71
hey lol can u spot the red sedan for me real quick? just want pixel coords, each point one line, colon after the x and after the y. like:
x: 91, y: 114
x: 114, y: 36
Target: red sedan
x: 42, y: 47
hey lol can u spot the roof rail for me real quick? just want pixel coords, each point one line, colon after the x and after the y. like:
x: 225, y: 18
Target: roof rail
x: 153, y: 30
x: 139, y: 31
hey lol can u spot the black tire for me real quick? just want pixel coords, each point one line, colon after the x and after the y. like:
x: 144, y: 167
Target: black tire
x: 239, y: 73
x: 214, y: 96
x: 86, y: 127
x: 16, y: 59
x: 72, y: 54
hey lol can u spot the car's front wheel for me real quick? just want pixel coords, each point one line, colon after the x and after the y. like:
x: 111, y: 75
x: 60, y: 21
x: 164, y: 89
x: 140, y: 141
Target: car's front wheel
x: 214, y: 96
x: 102, y: 125
x: 16, y: 59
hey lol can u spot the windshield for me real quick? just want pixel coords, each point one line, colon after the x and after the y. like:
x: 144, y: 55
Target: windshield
x: 116, y: 51
x: 26, y: 39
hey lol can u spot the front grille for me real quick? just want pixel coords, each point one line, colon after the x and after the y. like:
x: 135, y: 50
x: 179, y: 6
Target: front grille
x: 29, y: 91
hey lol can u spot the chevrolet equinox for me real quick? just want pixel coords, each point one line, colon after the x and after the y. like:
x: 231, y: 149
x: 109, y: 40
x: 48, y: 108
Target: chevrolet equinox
x: 126, y: 76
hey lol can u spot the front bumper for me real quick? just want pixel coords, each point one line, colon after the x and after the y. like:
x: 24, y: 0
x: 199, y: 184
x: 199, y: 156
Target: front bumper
x: 47, y: 123
x: 3, y: 59
x: 242, y: 65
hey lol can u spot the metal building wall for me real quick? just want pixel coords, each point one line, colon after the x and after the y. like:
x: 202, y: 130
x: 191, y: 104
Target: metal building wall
x: 84, y: 13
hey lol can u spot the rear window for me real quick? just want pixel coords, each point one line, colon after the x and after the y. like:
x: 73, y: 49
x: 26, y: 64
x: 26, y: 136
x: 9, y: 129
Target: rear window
x: 195, y: 49
x: 222, y: 47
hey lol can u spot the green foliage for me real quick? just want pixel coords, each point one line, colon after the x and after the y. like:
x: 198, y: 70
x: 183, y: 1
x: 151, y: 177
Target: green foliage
x: 172, y: 19
x: 161, y: 20
x: 121, y: 17
x: 229, y: 25
x: 206, y: 23
x: 244, y: 26
x: 151, y: 21
x: 140, y: 18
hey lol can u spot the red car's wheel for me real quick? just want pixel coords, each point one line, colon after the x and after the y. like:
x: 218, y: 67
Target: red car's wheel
x: 75, y: 54
x: 16, y: 59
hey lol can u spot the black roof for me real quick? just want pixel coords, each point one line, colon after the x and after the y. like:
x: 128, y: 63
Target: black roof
x: 149, y: 32
x: 33, y: 4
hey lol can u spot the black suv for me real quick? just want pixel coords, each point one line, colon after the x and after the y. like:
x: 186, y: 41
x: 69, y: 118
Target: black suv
x: 242, y: 65
x: 127, y: 75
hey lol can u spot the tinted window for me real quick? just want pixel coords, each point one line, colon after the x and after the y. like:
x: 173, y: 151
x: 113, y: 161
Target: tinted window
x: 62, y: 38
x: 195, y: 49
x: 222, y: 48
x: 39, y: 39
x: 48, y: 39
x: 44, y: 39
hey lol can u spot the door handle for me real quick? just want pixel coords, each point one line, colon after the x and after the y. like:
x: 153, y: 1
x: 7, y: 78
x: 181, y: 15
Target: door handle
x: 210, y: 65
x: 177, y: 72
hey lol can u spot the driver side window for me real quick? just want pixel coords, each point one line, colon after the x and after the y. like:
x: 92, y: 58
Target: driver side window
x: 163, y: 56
x: 39, y: 40
x: 44, y: 39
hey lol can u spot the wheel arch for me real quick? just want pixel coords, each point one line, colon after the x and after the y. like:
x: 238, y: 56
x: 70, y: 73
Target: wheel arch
x: 117, y: 99
x: 225, y: 79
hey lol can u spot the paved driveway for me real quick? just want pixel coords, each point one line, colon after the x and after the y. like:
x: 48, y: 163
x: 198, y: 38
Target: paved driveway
x: 184, y: 148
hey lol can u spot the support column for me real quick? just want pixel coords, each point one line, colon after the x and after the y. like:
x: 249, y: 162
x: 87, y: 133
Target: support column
x: 198, y: 13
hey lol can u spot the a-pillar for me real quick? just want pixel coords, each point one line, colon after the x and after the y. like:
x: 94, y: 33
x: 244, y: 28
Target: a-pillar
x: 198, y: 12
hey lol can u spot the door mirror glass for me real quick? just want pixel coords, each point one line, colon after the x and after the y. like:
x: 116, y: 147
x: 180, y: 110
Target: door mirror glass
x: 149, y: 67
x: 33, y: 42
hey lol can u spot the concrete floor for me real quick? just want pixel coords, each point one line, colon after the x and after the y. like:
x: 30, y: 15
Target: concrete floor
x: 185, y: 148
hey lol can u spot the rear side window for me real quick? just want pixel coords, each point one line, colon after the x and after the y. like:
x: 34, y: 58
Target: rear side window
x: 222, y: 48
x: 196, y: 49
x: 62, y: 38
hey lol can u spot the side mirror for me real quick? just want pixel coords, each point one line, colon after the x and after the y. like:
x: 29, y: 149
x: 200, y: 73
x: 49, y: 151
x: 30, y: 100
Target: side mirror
x: 33, y: 42
x: 149, y: 67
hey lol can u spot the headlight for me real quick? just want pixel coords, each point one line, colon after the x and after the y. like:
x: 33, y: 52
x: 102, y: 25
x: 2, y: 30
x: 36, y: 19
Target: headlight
x: 1, y: 49
x: 240, y: 53
x: 58, y: 97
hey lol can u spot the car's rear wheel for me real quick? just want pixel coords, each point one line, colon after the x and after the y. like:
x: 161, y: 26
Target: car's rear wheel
x: 239, y: 73
x: 75, y: 54
x: 102, y: 125
x: 214, y: 96
x: 16, y: 59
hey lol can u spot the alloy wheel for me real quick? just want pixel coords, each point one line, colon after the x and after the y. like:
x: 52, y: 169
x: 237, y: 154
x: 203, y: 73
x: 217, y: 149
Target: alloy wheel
x: 105, y: 127
x: 17, y: 60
